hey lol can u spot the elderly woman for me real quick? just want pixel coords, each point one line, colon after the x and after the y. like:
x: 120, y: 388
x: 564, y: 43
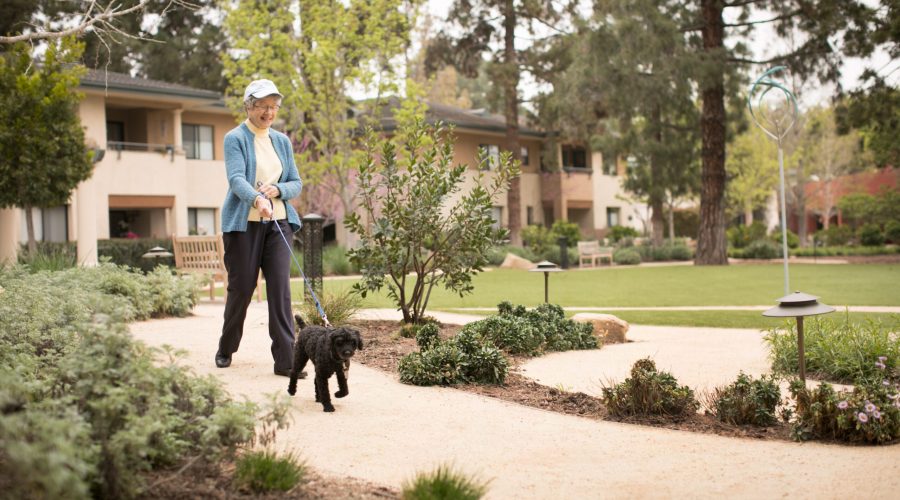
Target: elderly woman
x: 261, y: 173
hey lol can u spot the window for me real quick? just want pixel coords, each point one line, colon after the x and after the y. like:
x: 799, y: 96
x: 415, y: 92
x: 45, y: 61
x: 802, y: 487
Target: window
x: 492, y: 151
x: 524, y: 154
x: 497, y: 215
x: 115, y: 131
x: 610, y: 165
x: 198, y: 141
x: 50, y: 224
x: 574, y: 157
x: 201, y: 221
x: 612, y: 216
x: 529, y: 216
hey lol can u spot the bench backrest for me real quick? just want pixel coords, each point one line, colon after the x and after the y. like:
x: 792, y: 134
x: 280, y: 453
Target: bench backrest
x: 588, y: 247
x: 199, y: 253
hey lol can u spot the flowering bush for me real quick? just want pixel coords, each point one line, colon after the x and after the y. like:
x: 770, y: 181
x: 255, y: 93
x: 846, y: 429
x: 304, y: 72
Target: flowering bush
x: 837, y: 349
x: 870, y: 413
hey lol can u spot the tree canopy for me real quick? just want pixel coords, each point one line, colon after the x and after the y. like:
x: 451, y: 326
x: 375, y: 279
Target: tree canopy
x: 43, y: 155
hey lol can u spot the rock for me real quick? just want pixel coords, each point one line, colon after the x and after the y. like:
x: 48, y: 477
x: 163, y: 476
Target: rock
x: 609, y: 329
x: 513, y: 261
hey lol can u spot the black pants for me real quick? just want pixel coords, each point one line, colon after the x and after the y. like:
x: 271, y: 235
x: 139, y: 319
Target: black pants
x: 259, y: 247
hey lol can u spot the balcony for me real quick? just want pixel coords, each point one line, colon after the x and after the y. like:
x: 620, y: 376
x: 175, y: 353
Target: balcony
x: 119, y: 146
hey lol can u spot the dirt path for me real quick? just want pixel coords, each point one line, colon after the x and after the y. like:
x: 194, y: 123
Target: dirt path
x: 386, y: 431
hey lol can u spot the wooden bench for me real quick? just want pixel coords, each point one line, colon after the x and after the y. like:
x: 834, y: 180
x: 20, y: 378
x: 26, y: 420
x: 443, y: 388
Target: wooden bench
x: 205, y: 255
x: 591, y: 251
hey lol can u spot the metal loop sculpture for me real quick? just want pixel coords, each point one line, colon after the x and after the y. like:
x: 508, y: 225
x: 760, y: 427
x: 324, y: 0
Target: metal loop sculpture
x: 775, y: 113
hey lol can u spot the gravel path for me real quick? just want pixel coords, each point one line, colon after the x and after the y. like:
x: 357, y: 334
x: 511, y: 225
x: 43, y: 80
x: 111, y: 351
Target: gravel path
x: 386, y: 431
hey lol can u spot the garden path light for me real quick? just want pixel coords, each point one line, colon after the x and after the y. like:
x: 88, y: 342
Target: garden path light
x: 546, y: 267
x: 798, y: 305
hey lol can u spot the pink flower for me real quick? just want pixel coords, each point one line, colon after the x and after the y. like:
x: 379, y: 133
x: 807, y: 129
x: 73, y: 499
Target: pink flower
x: 882, y: 358
x: 843, y: 405
x: 862, y: 417
x: 877, y: 415
x: 870, y: 407
x: 880, y: 365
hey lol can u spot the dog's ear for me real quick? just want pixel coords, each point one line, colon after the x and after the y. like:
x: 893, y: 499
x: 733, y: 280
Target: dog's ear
x: 299, y: 320
x: 358, y: 338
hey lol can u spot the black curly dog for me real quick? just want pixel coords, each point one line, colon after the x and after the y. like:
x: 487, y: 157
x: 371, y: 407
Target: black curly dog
x: 330, y: 349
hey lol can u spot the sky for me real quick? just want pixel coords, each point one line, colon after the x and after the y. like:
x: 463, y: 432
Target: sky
x: 763, y: 44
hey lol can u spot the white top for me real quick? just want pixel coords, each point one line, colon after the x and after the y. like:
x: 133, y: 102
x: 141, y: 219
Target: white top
x: 268, y: 169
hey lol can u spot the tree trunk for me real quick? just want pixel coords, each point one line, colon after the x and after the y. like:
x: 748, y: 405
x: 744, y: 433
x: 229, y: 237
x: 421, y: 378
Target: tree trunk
x: 711, y: 243
x: 748, y: 215
x: 29, y: 224
x: 511, y: 94
x: 657, y: 222
x: 672, y: 224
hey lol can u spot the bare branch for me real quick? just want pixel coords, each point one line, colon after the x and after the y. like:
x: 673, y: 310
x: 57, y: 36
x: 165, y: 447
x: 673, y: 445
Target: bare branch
x: 92, y: 18
x: 763, y: 21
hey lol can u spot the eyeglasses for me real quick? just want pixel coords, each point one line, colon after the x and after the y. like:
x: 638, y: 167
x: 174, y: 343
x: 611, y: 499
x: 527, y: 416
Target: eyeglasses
x: 267, y: 108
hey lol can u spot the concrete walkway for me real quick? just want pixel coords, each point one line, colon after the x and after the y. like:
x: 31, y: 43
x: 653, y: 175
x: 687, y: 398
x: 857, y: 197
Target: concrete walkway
x: 386, y: 431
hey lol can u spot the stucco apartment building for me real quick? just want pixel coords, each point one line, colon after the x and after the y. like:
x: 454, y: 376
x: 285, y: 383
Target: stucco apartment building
x: 162, y: 169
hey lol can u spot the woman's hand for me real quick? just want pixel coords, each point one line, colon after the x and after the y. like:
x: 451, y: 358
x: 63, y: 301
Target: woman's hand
x: 264, y: 206
x: 269, y: 190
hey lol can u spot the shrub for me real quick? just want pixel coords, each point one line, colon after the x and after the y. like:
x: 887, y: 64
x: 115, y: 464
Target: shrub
x: 836, y: 235
x: 838, y: 251
x: 870, y: 235
x: 443, y: 483
x: 742, y: 235
x: 793, y: 241
x: 339, y: 307
x: 681, y: 252
x: 616, y: 233
x: 81, y: 387
x: 50, y: 256
x: 265, y: 471
x: 510, y: 333
x: 537, y: 238
x: 549, y: 320
x: 746, y: 401
x: 565, y: 229
x: 762, y: 249
x: 427, y: 336
x: 870, y: 413
x: 441, y: 365
x: 892, y: 231
x: 336, y: 262
x: 626, y: 256
x: 125, y: 252
x: 836, y: 349
x: 553, y: 255
x: 649, y: 392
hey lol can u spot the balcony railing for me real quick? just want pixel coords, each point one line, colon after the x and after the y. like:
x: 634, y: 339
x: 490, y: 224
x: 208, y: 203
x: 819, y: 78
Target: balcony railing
x: 119, y: 146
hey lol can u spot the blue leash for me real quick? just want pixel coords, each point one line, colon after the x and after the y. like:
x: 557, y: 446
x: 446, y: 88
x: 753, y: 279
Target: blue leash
x: 291, y: 250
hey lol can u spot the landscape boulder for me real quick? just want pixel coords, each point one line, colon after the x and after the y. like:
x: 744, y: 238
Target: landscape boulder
x: 513, y: 261
x: 609, y: 329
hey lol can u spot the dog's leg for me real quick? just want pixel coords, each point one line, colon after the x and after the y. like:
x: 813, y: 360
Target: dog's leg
x: 342, y: 383
x: 300, y: 359
x: 322, y: 392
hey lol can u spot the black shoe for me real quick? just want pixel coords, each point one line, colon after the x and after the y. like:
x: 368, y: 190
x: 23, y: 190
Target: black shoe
x: 283, y: 373
x: 223, y: 361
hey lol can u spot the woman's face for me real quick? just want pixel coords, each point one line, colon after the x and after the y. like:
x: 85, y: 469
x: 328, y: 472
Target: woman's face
x: 262, y: 112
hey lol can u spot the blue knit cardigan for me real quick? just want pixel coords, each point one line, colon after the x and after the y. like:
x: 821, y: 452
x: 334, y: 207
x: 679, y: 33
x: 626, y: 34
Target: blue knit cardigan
x: 240, y: 166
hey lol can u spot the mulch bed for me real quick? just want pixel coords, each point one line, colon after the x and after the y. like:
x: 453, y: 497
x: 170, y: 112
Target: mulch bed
x: 213, y: 481
x: 384, y: 347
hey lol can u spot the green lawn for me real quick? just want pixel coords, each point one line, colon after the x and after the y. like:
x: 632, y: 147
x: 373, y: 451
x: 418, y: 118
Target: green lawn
x: 760, y: 284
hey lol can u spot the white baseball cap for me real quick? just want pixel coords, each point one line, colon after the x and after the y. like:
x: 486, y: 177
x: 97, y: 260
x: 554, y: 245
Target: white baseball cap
x: 260, y: 89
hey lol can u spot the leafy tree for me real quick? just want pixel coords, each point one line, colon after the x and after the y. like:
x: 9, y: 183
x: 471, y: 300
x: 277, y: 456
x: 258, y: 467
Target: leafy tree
x: 43, y: 156
x: 316, y: 53
x: 629, y: 95
x: 752, y: 166
x: 417, y: 226
x: 480, y: 24
x: 875, y: 111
